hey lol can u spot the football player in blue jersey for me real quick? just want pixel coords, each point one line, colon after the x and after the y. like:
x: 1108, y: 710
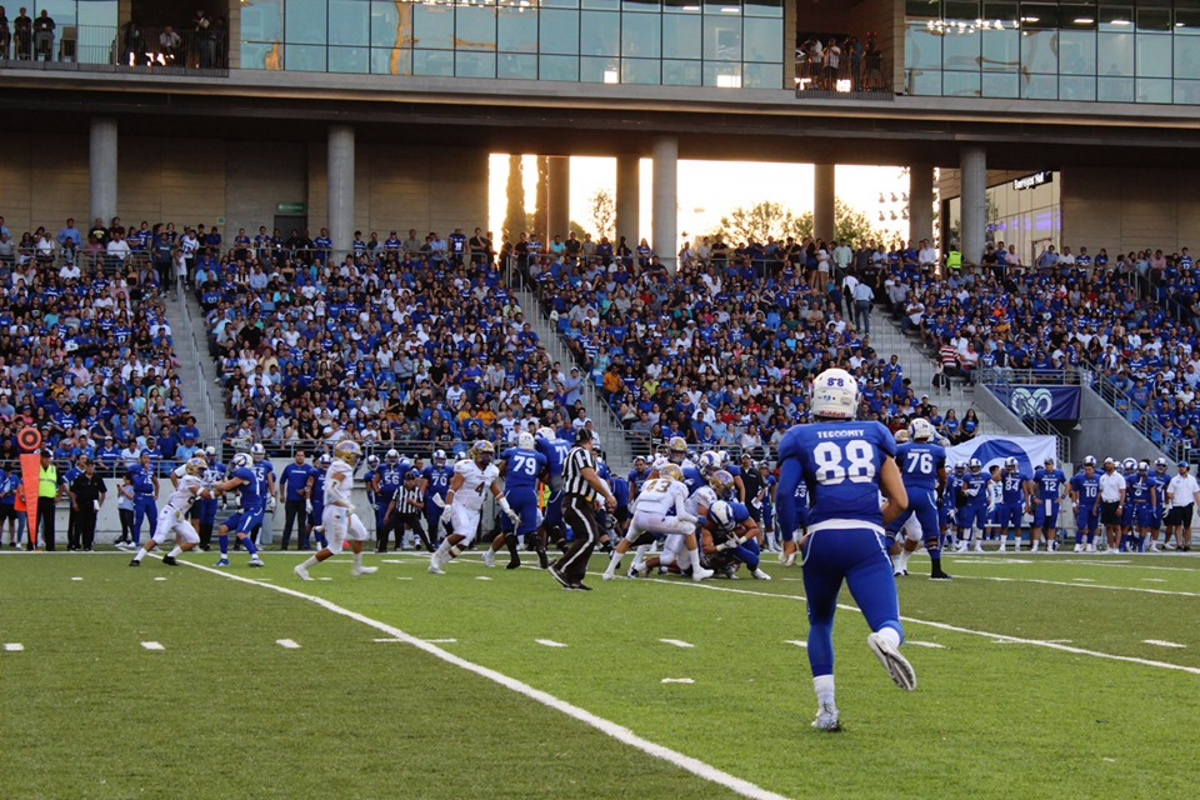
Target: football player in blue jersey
x: 846, y: 465
x: 922, y: 467
x: 388, y: 479
x: 1128, y: 520
x: 145, y: 490
x: 1049, y: 483
x: 435, y: 482
x: 729, y: 536
x: 555, y: 450
x: 253, y: 490
x: 1142, y: 495
x: 205, y: 509
x: 765, y: 498
x: 368, y: 479
x: 1161, y: 479
x: 638, y: 476
x: 972, y: 515
x: 735, y: 470
x: 1085, y: 500
x: 316, y: 509
x: 522, y: 467
x: 1012, y: 503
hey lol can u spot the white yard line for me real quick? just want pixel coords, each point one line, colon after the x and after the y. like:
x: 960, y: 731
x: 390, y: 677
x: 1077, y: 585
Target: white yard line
x: 798, y: 643
x: 677, y: 680
x: 13, y: 647
x: 1161, y: 643
x: 287, y: 644
x: 153, y: 646
x: 622, y: 734
x: 545, y: 643
x: 677, y: 643
x: 931, y: 645
x: 1073, y: 584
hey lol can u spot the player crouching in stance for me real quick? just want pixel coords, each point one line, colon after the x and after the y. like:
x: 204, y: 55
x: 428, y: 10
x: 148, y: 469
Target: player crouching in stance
x: 729, y: 537
x: 653, y: 514
x: 464, y: 501
x: 846, y: 465
x: 339, y: 520
x: 172, y: 520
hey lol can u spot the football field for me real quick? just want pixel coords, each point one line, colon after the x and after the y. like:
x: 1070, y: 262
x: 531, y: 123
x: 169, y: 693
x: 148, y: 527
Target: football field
x: 1038, y: 676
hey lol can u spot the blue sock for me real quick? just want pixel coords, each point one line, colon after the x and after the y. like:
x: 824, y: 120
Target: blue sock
x: 1091, y: 539
x: 1078, y: 536
x: 248, y: 543
x: 820, y: 648
x: 224, y: 541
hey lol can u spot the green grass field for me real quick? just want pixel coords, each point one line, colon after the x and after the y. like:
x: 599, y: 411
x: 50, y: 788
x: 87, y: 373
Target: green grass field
x: 1035, y: 680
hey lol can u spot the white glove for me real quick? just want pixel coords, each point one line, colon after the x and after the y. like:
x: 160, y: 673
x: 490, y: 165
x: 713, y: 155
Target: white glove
x: 271, y: 503
x: 439, y: 501
x: 508, y: 511
x: 688, y: 518
x: 728, y: 544
x: 308, y: 506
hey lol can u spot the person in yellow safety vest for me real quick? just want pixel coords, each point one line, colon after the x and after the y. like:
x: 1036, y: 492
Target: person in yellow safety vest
x: 49, y: 490
x: 954, y: 259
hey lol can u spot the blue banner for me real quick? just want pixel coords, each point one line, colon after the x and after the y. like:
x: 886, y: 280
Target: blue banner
x: 1048, y: 402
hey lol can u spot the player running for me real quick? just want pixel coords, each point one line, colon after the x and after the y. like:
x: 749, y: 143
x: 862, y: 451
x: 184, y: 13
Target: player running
x: 521, y: 466
x: 173, y: 518
x: 339, y: 520
x: 473, y: 476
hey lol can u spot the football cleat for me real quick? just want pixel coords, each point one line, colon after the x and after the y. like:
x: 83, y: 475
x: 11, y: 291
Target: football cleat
x: 135, y: 563
x: 554, y: 573
x: 638, y: 570
x: 701, y: 574
x: 607, y: 576
x: 170, y: 561
x: 827, y: 718
x: 222, y: 562
x: 256, y: 562
x: 301, y: 572
x: 898, y: 668
x: 489, y: 558
x: 939, y: 576
x: 760, y: 575
x: 356, y: 571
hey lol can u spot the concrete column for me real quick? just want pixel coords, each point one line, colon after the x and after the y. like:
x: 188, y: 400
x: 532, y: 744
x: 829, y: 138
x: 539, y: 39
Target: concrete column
x: 102, y: 169
x: 974, y: 202
x: 629, y: 199
x: 559, y: 212
x: 824, y: 219
x: 920, y: 203
x: 666, y: 200
x: 341, y: 189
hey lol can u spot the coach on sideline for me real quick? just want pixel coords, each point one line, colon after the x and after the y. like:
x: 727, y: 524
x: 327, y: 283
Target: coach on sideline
x: 582, y: 486
x: 1183, y: 492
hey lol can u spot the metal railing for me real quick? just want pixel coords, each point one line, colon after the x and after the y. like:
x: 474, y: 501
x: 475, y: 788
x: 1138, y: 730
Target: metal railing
x: 1071, y: 376
x: 865, y: 77
x: 1142, y: 419
x: 130, y: 48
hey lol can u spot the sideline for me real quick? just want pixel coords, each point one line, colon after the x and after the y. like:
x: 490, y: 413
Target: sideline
x: 612, y: 729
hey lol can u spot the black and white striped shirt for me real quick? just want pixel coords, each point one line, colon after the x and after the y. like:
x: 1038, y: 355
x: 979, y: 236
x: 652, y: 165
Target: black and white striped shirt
x: 575, y: 486
x: 407, y: 499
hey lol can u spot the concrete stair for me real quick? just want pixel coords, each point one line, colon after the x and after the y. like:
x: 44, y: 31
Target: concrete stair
x: 197, y: 371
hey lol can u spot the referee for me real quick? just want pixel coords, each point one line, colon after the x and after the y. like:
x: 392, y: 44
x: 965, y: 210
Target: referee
x: 1112, y: 499
x: 404, y: 513
x: 582, y: 487
x: 1183, y: 492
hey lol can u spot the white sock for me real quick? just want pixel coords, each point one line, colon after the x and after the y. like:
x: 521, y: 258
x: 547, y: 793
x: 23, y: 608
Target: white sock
x: 175, y: 551
x: 823, y: 686
x: 310, y: 562
x: 614, y: 561
x: 902, y: 559
x: 891, y: 635
x: 140, y: 554
x: 694, y: 557
x: 358, y: 559
x: 641, y: 553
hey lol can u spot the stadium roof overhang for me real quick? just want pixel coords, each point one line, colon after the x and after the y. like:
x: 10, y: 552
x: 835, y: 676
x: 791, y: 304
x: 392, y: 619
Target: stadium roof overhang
x: 589, y: 119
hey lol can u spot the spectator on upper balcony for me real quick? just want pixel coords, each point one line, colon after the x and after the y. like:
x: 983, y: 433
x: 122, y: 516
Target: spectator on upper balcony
x: 43, y: 37
x: 168, y: 44
x: 69, y: 233
x: 23, y: 35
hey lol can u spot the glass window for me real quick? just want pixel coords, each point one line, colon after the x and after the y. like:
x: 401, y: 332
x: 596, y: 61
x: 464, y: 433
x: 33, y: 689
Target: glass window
x: 1115, y: 90
x: 681, y: 73
x: 391, y: 61
x: 1153, y: 56
x: 104, y: 12
x: 955, y: 11
x: 1187, y: 92
x: 61, y: 11
x: 558, y: 3
x: 558, y: 68
x: 304, y: 58
x: 255, y: 54
x: 1154, y: 19
x: 1077, y: 52
x: 349, y: 22
x: 641, y: 35
x: 924, y: 82
x: 559, y: 32
x: 681, y: 6
x: 763, y: 8
x: 1115, y: 19
x: 1039, y: 87
x: 725, y: 76
x: 433, y: 28
x: 722, y: 39
x: 922, y: 47
x: 1081, y: 88
x: 960, y: 50
x: 1039, y: 51
x: 475, y: 30
x: 1187, y: 56
x: 961, y: 84
x: 304, y: 23
x: 602, y: 5
x: 518, y: 31
x: 1153, y: 91
x: 474, y: 65
x: 349, y: 59
x: 1115, y: 54
x: 681, y: 36
x: 762, y: 76
x: 764, y: 40
x: 922, y: 9
x: 1000, y: 85
x: 601, y: 33
x: 600, y: 70
x: 641, y: 70
x: 1001, y: 51
x: 433, y: 62
x: 642, y: 6
x: 386, y: 27
x: 262, y: 22
x: 523, y: 67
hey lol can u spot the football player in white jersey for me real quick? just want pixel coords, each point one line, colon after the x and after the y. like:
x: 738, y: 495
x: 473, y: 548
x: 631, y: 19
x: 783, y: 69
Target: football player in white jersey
x: 464, y: 501
x: 661, y: 509
x: 172, y: 520
x: 339, y: 520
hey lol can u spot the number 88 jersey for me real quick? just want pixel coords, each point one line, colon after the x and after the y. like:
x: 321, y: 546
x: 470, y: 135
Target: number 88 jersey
x: 840, y: 463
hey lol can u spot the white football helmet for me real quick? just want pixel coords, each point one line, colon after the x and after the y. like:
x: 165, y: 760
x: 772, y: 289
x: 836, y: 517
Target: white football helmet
x: 211, y: 452
x: 921, y: 429
x: 372, y: 461
x: 659, y: 463
x: 525, y: 441
x: 1010, y: 463
x: 439, y: 457
x: 324, y: 461
x: 258, y: 452
x: 709, y: 461
x: 1090, y: 461
x: 835, y: 395
x: 721, y: 513
x: 242, y: 461
x: 1143, y: 466
x: 547, y: 433
x: 975, y: 465
x: 1129, y: 465
x: 393, y: 456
